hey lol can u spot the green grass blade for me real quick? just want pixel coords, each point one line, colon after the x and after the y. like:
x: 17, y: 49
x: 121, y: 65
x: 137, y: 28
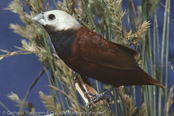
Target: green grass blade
x: 5, y: 112
x: 34, y: 83
x: 154, y: 64
x: 167, y: 54
x: 53, y: 69
x: 31, y: 87
x: 162, y: 59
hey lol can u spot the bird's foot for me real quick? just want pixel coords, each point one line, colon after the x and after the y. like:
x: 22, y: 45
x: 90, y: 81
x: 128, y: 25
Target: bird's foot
x: 98, y: 97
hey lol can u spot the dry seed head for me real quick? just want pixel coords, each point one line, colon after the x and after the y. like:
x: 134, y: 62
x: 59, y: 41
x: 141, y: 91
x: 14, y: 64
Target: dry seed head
x: 69, y: 95
x: 14, y: 97
x: 29, y: 46
x: 170, y: 100
x: 15, y: 6
x: 142, y: 110
x: 49, y: 102
x: 2, y: 57
x: 127, y: 100
x: 138, y: 36
x: 35, y: 5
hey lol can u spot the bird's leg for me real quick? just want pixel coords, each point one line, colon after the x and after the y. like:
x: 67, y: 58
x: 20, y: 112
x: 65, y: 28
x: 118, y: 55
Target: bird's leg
x: 100, y: 96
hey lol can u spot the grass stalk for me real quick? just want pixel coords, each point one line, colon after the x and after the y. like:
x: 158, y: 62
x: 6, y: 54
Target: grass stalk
x: 53, y: 69
x: 167, y: 53
x: 162, y: 58
x: 154, y: 64
x: 6, y: 109
x: 74, y: 94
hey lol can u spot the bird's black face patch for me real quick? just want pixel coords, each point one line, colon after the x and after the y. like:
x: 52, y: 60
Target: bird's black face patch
x: 51, y: 17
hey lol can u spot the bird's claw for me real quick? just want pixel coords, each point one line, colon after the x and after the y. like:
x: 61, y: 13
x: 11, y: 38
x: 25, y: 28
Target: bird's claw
x: 98, y: 97
x: 88, y: 93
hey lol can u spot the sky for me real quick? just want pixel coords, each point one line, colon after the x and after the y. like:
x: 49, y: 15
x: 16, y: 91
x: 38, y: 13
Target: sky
x: 18, y: 72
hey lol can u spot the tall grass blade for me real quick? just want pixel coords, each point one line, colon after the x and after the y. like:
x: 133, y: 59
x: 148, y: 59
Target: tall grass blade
x: 167, y: 53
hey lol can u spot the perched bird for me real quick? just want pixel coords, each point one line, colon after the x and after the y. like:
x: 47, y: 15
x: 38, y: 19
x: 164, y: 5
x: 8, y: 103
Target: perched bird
x: 89, y: 54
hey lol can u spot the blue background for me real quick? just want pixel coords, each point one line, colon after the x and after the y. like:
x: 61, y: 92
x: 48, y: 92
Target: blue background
x: 18, y: 72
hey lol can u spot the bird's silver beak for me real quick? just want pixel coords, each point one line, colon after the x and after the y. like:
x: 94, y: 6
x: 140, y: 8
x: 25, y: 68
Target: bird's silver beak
x: 40, y: 19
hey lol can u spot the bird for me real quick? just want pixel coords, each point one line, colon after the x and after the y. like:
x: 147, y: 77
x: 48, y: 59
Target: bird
x: 90, y: 55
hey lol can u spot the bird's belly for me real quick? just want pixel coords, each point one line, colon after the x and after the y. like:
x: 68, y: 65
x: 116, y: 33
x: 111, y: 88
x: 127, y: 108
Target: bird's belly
x: 104, y: 74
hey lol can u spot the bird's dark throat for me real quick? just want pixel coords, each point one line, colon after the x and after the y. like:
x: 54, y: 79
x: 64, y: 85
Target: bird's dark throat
x: 63, y: 41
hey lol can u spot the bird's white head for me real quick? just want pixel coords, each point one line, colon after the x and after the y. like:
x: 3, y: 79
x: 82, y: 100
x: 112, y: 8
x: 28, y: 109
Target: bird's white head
x: 57, y: 20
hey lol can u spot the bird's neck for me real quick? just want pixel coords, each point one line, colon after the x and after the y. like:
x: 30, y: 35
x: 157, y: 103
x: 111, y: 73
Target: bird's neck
x: 62, y: 42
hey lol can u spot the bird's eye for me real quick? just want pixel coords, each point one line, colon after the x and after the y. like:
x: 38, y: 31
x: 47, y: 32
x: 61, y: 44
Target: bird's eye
x: 51, y: 17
